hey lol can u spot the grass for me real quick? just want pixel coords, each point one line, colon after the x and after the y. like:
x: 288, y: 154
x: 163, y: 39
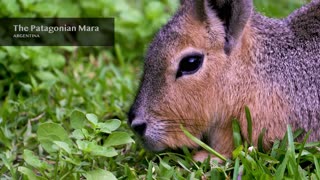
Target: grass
x: 63, y: 110
x: 278, y: 9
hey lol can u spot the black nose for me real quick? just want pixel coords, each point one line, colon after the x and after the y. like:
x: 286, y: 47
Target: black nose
x: 139, y: 127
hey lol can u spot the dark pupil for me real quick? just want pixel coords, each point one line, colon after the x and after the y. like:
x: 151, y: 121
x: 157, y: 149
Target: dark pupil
x: 189, y: 65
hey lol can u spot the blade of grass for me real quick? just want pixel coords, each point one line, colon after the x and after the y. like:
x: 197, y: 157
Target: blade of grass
x: 149, y: 174
x: 281, y: 169
x: 249, y: 124
x: 302, y: 146
x: 250, y: 164
x: 236, y: 169
x: 289, y: 154
x: 275, y: 148
x: 186, y: 152
x: 316, y: 162
x: 284, y: 142
x: 236, y: 133
x: 290, y: 140
x: 297, y: 133
x: 292, y: 164
x: 202, y: 144
x: 260, y: 140
x: 216, y: 174
x: 312, y: 144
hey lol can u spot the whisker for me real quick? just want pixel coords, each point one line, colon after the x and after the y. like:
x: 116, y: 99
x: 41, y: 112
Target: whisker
x: 187, y: 124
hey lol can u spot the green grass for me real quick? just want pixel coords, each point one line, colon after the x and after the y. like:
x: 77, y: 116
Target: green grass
x: 63, y: 110
x: 276, y: 8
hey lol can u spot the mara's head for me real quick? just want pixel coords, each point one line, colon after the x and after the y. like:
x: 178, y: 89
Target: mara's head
x: 183, y: 72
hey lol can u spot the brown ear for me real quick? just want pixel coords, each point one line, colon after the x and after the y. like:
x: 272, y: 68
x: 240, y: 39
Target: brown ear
x: 234, y: 14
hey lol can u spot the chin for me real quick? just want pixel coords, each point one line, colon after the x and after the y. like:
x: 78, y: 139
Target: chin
x: 154, y: 146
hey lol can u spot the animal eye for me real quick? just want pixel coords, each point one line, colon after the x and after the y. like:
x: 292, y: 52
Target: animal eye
x: 189, y: 65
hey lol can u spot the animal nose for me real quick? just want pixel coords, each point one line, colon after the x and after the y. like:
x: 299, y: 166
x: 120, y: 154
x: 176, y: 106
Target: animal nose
x: 139, y: 127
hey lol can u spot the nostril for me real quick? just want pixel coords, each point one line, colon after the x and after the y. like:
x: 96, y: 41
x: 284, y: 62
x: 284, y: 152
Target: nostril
x: 139, y: 128
x: 131, y: 116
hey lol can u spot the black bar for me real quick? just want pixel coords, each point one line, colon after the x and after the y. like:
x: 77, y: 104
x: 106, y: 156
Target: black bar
x: 56, y: 32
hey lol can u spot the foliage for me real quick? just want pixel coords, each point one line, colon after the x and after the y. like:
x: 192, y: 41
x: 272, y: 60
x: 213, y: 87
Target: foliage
x: 274, y: 8
x: 81, y: 154
x: 63, y: 109
x: 136, y: 21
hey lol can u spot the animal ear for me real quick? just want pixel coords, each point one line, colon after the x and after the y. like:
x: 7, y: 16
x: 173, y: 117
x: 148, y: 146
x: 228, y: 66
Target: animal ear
x: 234, y: 15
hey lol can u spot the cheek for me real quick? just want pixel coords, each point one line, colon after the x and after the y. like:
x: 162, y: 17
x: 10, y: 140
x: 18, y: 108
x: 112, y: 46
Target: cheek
x: 190, y: 103
x: 180, y: 105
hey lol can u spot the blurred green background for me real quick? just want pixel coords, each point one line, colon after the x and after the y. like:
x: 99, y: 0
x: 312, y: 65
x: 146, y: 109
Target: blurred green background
x: 48, y: 84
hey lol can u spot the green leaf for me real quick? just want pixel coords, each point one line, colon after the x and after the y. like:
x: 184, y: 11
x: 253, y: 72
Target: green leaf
x: 41, y: 62
x: 77, y: 134
x: 33, y: 82
x: 29, y: 173
x: 26, y: 87
x: 5, y: 161
x: 86, y: 134
x: 63, y: 146
x: 99, y: 174
x: 5, y: 138
x: 77, y: 120
x: 237, y: 151
x: 97, y: 150
x: 83, y: 145
x: 48, y: 133
x: 33, y: 160
x: 118, y: 138
x: 46, y: 76
x: 113, y: 124
x: 56, y: 60
x: 73, y: 160
x: 92, y: 118
x: 62, y: 77
x: 109, y: 126
x: 47, y: 85
x: 16, y: 68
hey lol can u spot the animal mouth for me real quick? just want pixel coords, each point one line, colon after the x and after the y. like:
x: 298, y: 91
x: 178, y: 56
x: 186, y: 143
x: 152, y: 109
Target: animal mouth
x: 153, y: 146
